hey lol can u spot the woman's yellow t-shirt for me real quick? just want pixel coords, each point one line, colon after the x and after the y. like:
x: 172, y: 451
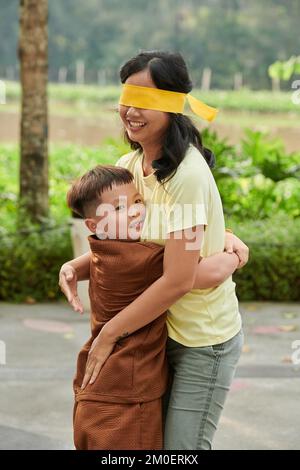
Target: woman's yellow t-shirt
x: 201, y: 317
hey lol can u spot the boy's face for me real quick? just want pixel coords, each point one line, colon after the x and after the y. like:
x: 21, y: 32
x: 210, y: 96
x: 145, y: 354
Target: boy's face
x: 120, y: 215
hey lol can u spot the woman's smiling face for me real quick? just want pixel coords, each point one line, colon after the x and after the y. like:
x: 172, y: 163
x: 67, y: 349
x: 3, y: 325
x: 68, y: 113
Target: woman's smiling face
x: 145, y: 126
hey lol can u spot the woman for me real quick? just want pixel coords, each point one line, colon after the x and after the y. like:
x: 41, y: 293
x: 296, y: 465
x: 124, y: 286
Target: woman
x: 171, y: 168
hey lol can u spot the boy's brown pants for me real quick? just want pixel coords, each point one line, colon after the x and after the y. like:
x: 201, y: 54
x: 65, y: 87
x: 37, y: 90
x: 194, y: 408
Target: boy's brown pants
x: 118, y: 426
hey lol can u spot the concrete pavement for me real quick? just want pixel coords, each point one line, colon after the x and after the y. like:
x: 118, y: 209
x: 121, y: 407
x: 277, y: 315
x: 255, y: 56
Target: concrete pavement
x: 41, y: 342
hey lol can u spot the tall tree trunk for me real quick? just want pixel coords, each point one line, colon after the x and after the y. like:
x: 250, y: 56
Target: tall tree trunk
x: 33, y: 55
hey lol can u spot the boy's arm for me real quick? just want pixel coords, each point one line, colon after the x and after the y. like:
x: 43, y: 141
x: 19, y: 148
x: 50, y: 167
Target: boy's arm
x: 215, y: 269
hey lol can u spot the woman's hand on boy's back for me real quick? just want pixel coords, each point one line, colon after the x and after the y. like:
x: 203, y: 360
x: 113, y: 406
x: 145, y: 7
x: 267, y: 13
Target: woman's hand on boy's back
x: 68, y: 284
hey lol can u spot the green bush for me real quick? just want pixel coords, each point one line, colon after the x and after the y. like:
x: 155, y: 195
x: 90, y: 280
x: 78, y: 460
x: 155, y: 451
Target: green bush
x: 273, y: 270
x: 259, y: 186
x: 66, y: 163
x: 256, y: 179
x: 30, y: 264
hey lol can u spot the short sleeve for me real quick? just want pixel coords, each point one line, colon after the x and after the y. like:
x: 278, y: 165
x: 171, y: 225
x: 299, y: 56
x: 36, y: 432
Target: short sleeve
x: 122, y: 161
x: 187, y: 204
x: 126, y: 160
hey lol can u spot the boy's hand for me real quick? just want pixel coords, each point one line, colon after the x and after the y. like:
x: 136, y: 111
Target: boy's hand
x: 68, y: 284
x: 234, y: 245
x: 100, y: 351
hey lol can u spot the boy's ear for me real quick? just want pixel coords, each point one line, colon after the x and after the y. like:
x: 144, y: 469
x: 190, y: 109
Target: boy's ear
x: 90, y: 225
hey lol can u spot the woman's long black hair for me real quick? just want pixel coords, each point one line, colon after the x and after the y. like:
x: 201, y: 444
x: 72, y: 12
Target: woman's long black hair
x: 169, y: 72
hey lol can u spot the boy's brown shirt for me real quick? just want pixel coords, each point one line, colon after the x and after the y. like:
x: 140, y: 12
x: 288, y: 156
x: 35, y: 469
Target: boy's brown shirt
x: 136, y: 371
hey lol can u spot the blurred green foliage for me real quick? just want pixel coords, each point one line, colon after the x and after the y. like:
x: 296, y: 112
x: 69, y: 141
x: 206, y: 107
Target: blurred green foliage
x: 260, y: 188
x: 229, y: 36
x: 256, y: 179
x: 284, y: 70
x: 273, y: 270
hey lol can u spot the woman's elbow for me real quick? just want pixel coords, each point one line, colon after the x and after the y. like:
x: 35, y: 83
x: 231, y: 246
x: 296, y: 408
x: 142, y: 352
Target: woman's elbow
x: 218, y: 277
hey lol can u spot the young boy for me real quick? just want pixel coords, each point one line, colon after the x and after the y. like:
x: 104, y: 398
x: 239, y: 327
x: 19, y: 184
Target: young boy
x: 122, y: 408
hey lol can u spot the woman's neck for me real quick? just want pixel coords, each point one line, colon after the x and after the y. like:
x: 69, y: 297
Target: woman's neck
x: 150, y: 153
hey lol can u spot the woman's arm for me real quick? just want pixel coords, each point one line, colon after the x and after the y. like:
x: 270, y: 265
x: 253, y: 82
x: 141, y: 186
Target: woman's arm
x: 78, y: 269
x: 215, y: 269
x: 180, y: 265
x: 179, y: 273
x: 70, y: 273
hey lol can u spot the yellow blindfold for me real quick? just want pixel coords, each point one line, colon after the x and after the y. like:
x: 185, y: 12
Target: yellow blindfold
x: 164, y: 100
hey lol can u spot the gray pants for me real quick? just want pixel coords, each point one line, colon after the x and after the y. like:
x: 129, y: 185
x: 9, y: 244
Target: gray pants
x: 200, y: 381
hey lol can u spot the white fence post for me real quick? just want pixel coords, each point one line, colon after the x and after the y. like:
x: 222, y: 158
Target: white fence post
x: 102, y: 77
x: 2, y: 92
x: 206, y: 79
x: 2, y: 353
x: 62, y: 74
x: 238, y: 81
x: 275, y: 84
x: 80, y: 69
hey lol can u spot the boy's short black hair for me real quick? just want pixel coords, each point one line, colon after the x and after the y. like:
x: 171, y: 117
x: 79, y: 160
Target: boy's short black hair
x: 85, y: 193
